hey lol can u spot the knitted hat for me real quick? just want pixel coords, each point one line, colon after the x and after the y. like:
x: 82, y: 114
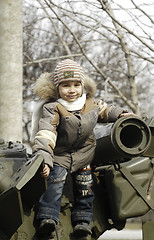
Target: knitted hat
x: 68, y: 70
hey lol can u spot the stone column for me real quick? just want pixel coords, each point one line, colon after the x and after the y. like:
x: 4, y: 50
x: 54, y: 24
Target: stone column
x: 11, y: 70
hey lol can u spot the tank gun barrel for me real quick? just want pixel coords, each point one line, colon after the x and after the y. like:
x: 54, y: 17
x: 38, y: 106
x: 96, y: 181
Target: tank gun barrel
x: 128, y: 137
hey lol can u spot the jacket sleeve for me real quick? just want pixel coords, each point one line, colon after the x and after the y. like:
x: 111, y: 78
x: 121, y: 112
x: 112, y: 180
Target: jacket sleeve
x: 45, y: 139
x: 108, y: 113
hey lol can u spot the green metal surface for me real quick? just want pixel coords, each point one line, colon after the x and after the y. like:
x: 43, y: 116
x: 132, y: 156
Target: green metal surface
x: 129, y: 188
x: 19, y: 178
x: 150, y: 151
x: 148, y: 230
x: 11, y: 212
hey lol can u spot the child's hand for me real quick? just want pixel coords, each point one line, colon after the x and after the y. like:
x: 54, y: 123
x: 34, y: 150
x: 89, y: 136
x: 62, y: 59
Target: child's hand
x: 127, y: 114
x: 46, y: 171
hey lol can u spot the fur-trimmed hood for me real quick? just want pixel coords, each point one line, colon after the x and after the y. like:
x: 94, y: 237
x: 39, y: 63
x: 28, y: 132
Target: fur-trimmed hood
x: 45, y: 89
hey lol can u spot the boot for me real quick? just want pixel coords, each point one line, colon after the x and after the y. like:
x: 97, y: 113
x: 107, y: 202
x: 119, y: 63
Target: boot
x: 45, y: 228
x: 82, y: 229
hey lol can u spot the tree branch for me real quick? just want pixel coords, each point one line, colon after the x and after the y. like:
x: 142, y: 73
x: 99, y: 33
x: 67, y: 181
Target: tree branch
x: 55, y: 28
x: 104, y: 4
x: 131, y: 74
x: 141, y: 10
x: 50, y: 59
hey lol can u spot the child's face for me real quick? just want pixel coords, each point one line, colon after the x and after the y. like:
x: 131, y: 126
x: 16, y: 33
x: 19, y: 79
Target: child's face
x: 70, y: 90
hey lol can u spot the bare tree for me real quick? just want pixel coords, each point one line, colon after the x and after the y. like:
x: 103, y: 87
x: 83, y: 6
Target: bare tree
x: 117, y: 52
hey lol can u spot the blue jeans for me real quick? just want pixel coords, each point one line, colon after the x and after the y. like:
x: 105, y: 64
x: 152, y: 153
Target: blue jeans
x: 50, y: 201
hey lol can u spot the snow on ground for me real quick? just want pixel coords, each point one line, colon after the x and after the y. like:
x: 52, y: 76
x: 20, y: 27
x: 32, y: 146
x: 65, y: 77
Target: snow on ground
x: 121, y: 235
x: 130, y: 232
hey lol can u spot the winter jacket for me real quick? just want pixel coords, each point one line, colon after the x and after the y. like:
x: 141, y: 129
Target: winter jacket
x: 66, y: 138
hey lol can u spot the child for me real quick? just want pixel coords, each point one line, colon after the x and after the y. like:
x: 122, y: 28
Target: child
x: 66, y: 141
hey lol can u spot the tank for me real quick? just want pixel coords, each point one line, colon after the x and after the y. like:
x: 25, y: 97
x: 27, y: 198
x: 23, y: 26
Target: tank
x: 123, y: 182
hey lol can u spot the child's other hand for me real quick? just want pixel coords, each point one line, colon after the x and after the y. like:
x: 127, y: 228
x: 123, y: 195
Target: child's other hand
x: 46, y: 171
x: 127, y: 114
